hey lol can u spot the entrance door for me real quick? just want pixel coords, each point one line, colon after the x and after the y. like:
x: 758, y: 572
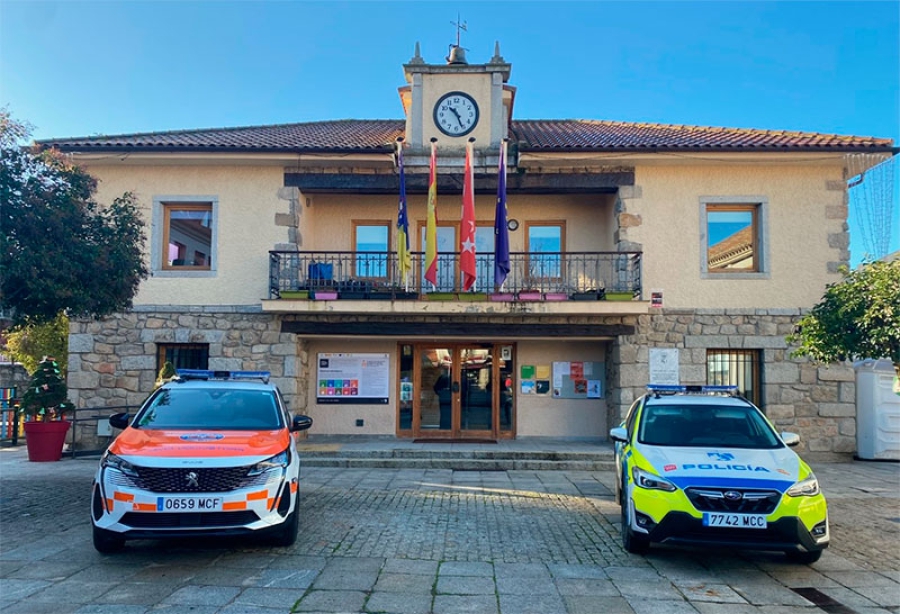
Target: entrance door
x: 457, y: 396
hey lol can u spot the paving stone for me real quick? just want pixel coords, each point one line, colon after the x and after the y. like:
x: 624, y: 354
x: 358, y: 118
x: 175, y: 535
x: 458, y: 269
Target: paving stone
x: 331, y: 601
x: 581, y: 604
x: 399, y: 603
x: 466, y: 604
x: 586, y: 587
x: 465, y: 585
x: 719, y: 593
x: 649, y: 589
x: 202, y: 595
x: 402, y: 583
x: 657, y: 606
x: 466, y: 568
x: 339, y: 579
x: 283, y: 578
x: 410, y: 566
x: 111, y: 609
x: 283, y: 598
x: 532, y: 604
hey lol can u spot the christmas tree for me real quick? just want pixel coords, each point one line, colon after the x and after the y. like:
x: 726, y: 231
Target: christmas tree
x: 47, y: 395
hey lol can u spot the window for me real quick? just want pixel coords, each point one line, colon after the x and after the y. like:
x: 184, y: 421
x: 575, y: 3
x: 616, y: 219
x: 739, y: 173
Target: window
x: 183, y: 355
x: 736, y: 368
x: 371, y: 242
x: 187, y: 235
x: 546, y: 244
x: 733, y: 239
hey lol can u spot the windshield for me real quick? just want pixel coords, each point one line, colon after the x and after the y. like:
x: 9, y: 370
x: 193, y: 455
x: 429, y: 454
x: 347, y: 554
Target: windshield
x: 211, y: 408
x: 706, y: 425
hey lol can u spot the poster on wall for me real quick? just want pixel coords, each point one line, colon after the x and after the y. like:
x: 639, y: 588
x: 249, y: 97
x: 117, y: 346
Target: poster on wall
x: 353, y: 378
x: 578, y: 379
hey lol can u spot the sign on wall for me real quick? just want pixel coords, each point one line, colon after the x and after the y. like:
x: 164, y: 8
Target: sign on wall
x: 353, y: 378
x: 664, y: 366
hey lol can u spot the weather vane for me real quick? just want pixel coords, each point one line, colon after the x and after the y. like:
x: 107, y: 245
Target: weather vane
x: 459, y: 26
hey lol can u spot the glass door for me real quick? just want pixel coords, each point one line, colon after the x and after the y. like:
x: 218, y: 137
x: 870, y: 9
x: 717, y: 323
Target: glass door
x: 456, y: 392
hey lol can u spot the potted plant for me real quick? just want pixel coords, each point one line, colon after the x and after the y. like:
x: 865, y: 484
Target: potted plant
x: 44, y: 404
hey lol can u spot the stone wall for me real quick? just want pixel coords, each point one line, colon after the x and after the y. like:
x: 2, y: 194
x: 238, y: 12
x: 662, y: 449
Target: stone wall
x: 817, y: 402
x: 112, y: 362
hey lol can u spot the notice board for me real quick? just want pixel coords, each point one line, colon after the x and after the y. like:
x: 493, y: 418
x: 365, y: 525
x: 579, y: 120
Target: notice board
x: 578, y: 380
x: 353, y: 378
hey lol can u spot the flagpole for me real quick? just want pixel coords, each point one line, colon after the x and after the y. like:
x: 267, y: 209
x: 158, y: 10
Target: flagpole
x: 431, y: 259
x: 501, y: 231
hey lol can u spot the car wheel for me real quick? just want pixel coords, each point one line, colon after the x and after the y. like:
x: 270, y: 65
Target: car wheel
x: 632, y: 542
x: 287, y: 533
x: 107, y: 542
x: 810, y: 556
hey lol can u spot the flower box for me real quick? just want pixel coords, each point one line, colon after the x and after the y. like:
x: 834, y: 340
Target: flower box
x: 619, y: 296
x: 529, y: 295
x: 473, y: 296
x: 590, y: 295
x: 505, y: 297
x: 405, y: 295
x: 353, y: 294
x: 294, y: 294
x: 324, y: 295
x: 441, y: 296
x: 556, y: 296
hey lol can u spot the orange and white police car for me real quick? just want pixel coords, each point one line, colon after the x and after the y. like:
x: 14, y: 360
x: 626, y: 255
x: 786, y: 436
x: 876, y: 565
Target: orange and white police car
x: 208, y: 453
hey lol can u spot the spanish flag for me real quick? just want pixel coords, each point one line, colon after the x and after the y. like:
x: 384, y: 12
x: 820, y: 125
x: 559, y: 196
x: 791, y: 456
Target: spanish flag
x: 431, y: 260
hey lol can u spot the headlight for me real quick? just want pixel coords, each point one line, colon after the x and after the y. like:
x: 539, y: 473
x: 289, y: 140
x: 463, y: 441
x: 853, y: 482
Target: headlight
x: 111, y: 461
x: 805, y: 488
x: 279, y: 461
x: 645, y: 479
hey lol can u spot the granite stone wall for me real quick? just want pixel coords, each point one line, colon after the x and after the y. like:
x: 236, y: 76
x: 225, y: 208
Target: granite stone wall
x: 817, y: 402
x: 112, y: 362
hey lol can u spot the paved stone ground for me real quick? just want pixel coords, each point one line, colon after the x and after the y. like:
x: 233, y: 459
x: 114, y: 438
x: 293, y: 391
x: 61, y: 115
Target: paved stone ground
x: 438, y: 542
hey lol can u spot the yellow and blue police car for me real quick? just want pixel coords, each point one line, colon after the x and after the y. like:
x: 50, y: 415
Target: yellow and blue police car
x: 700, y: 465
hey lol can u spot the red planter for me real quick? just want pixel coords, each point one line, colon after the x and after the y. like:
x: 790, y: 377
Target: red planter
x: 45, y: 439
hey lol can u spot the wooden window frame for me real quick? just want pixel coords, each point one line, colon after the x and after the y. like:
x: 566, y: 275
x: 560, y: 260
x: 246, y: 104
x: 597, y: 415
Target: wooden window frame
x: 162, y: 347
x: 167, y: 207
x: 562, y: 249
x: 355, y: 224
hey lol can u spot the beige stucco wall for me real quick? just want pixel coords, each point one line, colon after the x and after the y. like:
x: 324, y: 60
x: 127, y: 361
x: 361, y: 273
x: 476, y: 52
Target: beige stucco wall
x: 802, y: 213
x: 340, y: 419
x: 545, y: 416
x: 327, y: 223
x: 247, y: 204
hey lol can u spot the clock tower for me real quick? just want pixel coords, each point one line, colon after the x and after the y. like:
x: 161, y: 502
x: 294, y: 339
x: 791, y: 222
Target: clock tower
x: 455, y: 101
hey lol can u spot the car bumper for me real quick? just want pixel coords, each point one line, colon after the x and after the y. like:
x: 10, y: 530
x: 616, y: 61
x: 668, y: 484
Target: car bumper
x: 785, y: 534
x: 136, y: 514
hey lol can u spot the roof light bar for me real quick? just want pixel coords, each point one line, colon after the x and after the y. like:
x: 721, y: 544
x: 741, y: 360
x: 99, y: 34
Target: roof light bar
x: 208, y: 374
x: 675, y: 389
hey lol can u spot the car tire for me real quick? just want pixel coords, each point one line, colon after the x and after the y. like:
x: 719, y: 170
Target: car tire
x: 287, y: 532
x: 107, y: 542
x: 632, y: 542
x: 807, y: 557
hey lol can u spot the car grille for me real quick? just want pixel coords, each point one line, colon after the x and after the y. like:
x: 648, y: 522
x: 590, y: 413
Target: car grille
x: 750, y: 501
x: 204, y: 520
x: 217, y: 479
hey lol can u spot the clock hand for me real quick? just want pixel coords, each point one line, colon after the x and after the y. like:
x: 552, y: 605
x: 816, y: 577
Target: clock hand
x: 456, y: 113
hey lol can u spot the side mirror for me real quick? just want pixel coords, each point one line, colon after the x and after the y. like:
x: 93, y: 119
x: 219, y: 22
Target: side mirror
x: 790, y: 439
x: 300, y: 423
x: 119, y: 421
x: 620, y: 433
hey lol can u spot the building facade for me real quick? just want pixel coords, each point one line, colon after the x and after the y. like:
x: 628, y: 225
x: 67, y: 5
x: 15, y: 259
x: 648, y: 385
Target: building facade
x: 637, y: 253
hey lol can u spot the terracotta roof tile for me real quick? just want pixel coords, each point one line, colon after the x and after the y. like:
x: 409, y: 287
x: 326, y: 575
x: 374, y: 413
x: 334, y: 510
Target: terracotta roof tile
x: 360, y: 135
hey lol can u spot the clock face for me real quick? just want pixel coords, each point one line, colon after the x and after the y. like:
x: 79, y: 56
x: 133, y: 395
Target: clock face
x: 456, y: 114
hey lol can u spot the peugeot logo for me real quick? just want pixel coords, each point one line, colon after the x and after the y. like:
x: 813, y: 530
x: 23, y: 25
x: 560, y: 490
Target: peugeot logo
x: 733, y: 495
x: 193, y: 480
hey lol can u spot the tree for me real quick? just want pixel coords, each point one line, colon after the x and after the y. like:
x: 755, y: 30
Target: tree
x: 29, y: 342
x: 47, y: 395
x: 59, y: 250
x: 859, y: 317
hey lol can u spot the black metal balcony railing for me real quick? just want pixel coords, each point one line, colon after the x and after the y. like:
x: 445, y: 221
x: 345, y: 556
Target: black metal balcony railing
x: 375, y: 275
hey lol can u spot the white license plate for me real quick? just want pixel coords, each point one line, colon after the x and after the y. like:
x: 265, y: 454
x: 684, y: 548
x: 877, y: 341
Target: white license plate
x: 189, y: 504
x: 734, y: 521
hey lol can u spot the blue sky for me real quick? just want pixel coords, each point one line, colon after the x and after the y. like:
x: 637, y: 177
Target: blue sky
x: 75, y: 68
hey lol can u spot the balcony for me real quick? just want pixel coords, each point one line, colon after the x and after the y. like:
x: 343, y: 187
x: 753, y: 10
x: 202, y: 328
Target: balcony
x: 570, y: 282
